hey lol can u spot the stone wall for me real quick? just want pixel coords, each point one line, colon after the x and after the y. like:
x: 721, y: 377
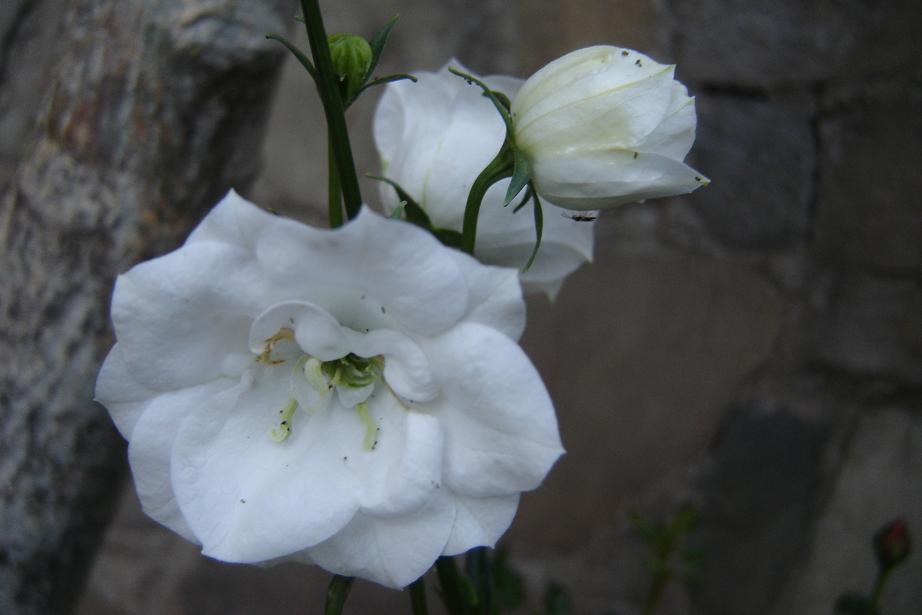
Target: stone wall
x: 755, y: 348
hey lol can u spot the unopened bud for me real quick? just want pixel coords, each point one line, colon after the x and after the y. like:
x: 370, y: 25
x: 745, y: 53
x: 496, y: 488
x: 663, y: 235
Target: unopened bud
x: 351, y: 58
x: 892, y: 544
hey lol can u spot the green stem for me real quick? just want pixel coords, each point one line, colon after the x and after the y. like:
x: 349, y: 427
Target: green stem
x: 418, y: 597
x: 334, y: 192
x: 333, y: 108
x: 499, y: 168
x: 448, y: 580
x: 879, y: 587
x: 478, y: 569
x: 656, y: 593
x: 337, y: 593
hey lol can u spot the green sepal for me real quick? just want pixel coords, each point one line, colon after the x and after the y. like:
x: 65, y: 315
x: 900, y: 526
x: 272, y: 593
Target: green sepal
x: 351, y: 56
x: 521, y: 175
x: 377, y: 44
x: 528, y: 192
x: 303, y: 59
x: 386, y: 79
x: 499, y: 103
x: 411, y: 211
x: 539, y: 231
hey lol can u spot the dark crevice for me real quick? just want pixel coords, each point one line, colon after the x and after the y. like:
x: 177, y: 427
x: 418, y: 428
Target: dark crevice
x: 816, y: 131
x: 10, y: 36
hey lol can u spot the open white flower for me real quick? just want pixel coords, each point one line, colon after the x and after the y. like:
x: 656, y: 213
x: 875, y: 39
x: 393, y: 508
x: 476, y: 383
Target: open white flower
x: 352, y: 397
x: 434, y: 138
x: 604, y: 126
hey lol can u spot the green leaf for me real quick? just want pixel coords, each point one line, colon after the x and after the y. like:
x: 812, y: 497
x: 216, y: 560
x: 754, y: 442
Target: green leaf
x: 378, y: 41
x: 448, y: 237
x: 414, y: 213
x: 521, y: 175
x: 303, y: 59
x: 539, y: 231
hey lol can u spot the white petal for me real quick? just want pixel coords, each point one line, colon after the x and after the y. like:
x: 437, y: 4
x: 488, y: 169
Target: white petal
x: 249, y: 498
x: 620, y: 115
x: 178, y: 316
x: 234, y: 220
x: 121, y: 393
x: 406, y: 367
x: 675, y: 135
x: 496, y: 296
x: 316, y: 331
x: 391, y: 551
x: 350, y: 397
x: 397, y: 264
x: 415, y: 475
x: 500, y: 430
x: 480, y: 522
x: 151, y: 446
x: 606, y: 178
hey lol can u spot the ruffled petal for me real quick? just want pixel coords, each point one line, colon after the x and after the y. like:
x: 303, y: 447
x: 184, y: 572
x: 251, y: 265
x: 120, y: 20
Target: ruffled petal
x: 391, y: 551
x: 249, y: 498
x: 480, y: 522
x: 150, y: 449
x: 179, y: 316
x: 500, y: 430
x: 121, y: 393
x: 403, y: 268
x: 592, y: 180
x: 496, y: 297
x: 234, y: 221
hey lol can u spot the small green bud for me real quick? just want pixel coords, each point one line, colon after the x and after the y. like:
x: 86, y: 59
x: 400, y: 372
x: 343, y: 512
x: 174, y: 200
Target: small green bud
x: 351, y: 58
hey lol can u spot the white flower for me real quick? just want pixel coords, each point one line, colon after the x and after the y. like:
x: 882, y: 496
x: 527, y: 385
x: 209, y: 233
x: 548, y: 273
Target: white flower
x: 352, y: 398
x: 604, y: 126
x: 434, y: 138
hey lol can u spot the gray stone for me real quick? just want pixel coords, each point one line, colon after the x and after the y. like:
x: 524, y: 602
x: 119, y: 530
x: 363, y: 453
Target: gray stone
x: 618, y: 333
x: 872, y: 326
x: 869, y: 213
x: 758, y: 498
x: 878, y: 482
x: 767, y: 206
x: 744, y: 44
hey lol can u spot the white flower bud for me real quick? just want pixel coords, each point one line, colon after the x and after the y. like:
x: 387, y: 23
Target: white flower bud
x: 605, y: 126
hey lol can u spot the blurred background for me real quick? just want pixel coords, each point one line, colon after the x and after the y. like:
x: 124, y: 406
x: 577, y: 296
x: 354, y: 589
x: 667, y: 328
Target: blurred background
x: 754, y: 349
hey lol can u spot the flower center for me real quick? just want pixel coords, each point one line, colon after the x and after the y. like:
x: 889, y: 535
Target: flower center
x: 351, y: 377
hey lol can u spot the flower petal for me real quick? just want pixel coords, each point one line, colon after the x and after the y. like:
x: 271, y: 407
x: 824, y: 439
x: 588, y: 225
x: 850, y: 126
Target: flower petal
x: 149, y: 451
x: 406, y: 367
x: 391, y: 551
x: 397, y: 264
x: 593, y: 180
x: 500, y: 430
x: 613, y: 115
x: 121, y: 393
x: 235, y: 221
x: 480, y: 522
x: 249, y: 498
x: 178, y: 316
x: 496, y: 297
x: 674, y: 137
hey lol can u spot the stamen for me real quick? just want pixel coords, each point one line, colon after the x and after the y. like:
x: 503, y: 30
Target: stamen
x: 266, y: 355
x: 371, y: 430
x: 281, y: 433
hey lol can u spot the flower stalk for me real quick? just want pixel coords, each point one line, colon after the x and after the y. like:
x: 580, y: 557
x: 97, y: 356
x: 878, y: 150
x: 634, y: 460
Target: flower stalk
x: 333, y: 108
x: 337, y: 593
x: 418, y: 597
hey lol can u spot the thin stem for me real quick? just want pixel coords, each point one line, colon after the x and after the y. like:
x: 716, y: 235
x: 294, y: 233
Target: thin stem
x: 418, y: 597
x: 879, y: 587
x: 499, y: 168
x: 478, y: 569
x: 333, y: 108
x: 334, y: 191
x: 337, y: 593
x: 448, y: 580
